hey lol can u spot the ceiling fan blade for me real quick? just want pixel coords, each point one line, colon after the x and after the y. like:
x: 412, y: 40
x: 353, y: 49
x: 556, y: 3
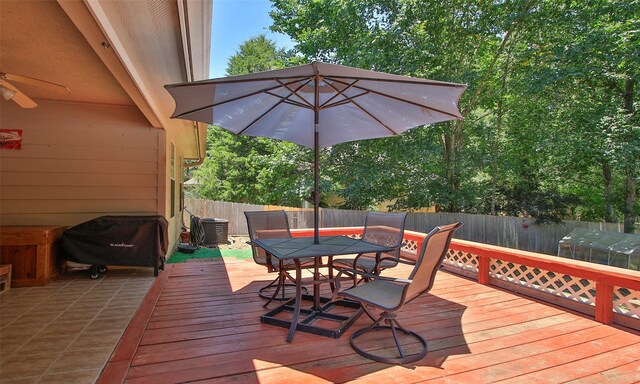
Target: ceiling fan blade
x: 20, y: 98
x: 37, y: 82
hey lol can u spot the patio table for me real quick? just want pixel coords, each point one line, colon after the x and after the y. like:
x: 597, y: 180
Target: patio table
x: 304, y: 247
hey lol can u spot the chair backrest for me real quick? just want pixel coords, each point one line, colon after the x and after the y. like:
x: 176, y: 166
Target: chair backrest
x: 434, y: 249
x: 385, y: 229
x: 266, y: 225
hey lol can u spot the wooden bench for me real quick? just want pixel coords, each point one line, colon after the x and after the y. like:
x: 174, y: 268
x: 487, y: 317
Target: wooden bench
x: 5, y: 277
x: 33, y: 252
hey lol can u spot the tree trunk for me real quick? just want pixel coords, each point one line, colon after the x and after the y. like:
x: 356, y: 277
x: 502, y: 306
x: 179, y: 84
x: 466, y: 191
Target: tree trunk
x: 452, y: 141
x: 630, y: 201
x: 629, y: 170
x: 607, y: 175
x: 498, y: 132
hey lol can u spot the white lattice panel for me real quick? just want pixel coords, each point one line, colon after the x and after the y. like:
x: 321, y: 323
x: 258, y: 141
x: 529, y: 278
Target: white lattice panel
x: 626, y: 302
x: 566, y: 286
x: 462, y: 260
x: 410, y: 246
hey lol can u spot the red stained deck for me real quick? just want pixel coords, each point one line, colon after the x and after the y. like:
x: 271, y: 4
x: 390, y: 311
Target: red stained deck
x: 200, y: 323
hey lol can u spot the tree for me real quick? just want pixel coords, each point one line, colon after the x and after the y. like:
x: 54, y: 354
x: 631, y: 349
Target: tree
x: 257, y: 54
x: 247, y: 169
x: 545, y: 78
x: 457, y: 41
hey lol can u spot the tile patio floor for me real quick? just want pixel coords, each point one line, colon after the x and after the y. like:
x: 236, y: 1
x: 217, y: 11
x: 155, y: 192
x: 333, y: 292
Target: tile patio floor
x: 64, y: 332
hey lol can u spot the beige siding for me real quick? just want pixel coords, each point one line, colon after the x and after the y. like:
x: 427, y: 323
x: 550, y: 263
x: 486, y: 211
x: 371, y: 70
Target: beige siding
x: 78, y: 162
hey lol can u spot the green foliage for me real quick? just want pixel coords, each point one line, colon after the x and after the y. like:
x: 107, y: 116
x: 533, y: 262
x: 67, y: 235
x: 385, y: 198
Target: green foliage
x: 551, y: 128
x: 254, y: 170
x: 546, y: 80
x: 258, y: 54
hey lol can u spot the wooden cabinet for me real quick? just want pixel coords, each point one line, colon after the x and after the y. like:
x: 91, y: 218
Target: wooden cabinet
x: 33, y: 252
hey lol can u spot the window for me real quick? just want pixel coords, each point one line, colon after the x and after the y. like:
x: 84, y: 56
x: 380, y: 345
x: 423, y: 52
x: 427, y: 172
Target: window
x: 172, y: 176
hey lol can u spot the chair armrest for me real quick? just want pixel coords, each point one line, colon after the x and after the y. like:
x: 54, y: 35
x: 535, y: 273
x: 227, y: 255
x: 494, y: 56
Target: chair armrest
x: 379, y: 262
x: 375, y: 277
x: 355, y: 272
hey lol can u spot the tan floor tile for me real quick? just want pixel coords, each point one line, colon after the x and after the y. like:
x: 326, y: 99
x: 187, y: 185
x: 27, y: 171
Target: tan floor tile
x: 46, y: 344
x: 21, y: 380
x: 16, y: 310
x: 107, y: 312
x: 66, y: 296
x: 79, y: 377
x: 124, y: 302
x: 111, y: 324
x: 6, y: 320
x: 27, y: 366
x: 79, y: 315
x: 22, y: 304
x: 81, y: 306
x: 66, y: 327
x: 47, y: 311
x: 81, y: 360
x: 130, y: 295
x: 36, y: 318
x: 109, y: 285
x: 8, y: 347
x: 15, y: 330
x: 11, y: 294
x: 99, y: 297
x: 51, y: 307
x: 90, y: 340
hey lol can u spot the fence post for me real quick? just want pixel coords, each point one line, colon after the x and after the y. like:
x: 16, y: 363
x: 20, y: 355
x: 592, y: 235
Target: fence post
x: 483, y: 269
x: 604, y: 303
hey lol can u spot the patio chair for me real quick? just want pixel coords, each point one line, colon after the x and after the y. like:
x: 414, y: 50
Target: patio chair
x: 390, y: 294
x: 268, y: 225
x: 383, y: 229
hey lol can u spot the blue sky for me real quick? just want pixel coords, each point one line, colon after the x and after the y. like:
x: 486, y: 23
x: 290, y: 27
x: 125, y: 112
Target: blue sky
x: 235, y: 21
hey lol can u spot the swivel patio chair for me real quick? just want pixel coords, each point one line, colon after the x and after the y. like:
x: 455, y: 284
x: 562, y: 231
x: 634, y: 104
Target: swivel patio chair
x: 383, y: 229
x: 390, y: 294
x: 269, y: 225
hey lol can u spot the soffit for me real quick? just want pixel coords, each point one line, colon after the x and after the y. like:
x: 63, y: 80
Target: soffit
x: 62, y: 42
x: 38, y: 40
x: 148, y: 39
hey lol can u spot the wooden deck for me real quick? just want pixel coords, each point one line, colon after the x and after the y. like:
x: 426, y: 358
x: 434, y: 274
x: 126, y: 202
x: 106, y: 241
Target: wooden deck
x: 200, y: 323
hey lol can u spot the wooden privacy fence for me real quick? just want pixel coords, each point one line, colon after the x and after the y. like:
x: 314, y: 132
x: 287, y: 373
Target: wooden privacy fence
x: 511, y: 232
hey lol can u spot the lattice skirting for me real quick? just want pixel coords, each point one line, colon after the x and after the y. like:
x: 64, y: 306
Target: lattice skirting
x: 626, y: 302
x: 565, y: 286
x: 461, y: 262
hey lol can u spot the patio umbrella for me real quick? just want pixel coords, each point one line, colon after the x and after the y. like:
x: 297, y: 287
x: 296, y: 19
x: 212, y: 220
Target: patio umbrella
x: 317, y: 105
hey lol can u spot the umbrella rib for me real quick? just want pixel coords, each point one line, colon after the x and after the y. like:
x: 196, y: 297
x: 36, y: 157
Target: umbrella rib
x: 342, y: 102
x: 282, y: 100
x: 235, y: 81
x: 338, y: 92
x: 374, y: 118
x: 260, y: 117
x: 403, y: 81
x: 295, y: 92
x: 292, y: 102
x: 267, y: 90
x: 400, y: 99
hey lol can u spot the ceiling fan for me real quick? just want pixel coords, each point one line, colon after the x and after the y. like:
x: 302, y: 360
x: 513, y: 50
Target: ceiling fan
x: 10, y: 92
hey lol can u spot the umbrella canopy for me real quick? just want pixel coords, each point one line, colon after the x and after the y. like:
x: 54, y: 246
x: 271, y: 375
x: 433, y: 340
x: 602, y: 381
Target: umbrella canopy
x: 317, y: 105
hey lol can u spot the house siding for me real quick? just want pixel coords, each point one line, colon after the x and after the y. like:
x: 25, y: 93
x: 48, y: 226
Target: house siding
x: 78, y: 162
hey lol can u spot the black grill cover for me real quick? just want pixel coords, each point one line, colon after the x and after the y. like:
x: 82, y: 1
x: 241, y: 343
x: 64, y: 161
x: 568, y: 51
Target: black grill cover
x: 139, y: 241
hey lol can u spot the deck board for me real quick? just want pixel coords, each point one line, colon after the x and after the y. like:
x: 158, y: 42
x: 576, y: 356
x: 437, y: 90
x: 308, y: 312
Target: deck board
x: 204, y: 327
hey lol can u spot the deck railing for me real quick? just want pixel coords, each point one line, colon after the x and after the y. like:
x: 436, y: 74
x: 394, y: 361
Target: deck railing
x: 609, y: 294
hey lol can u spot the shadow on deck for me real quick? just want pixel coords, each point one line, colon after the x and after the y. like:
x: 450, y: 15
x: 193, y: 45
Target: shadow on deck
x: 200, y: 322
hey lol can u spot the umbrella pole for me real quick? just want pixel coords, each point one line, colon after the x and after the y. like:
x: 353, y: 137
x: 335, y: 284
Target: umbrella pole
x: 316, y: 183
x: 316, y: 159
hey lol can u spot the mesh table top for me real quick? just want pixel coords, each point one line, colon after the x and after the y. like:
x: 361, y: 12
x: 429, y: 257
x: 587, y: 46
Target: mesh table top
x: 299, y: 247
